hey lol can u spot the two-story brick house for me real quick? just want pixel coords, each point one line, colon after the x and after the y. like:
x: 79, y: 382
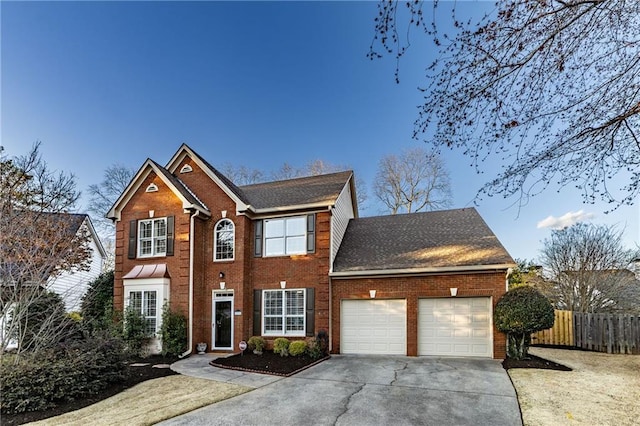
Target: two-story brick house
x: 290, y: 258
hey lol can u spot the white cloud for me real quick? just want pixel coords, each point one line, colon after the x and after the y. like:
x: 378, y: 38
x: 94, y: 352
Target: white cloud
x: 565, y: 220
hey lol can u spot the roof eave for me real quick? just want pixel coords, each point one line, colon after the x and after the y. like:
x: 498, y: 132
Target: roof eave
x: 422, y: 271
x: 292, y: 208
x: 115, y: 211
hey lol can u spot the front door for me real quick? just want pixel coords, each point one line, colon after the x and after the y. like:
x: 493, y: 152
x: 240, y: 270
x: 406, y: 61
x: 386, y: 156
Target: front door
x: 222, y: 327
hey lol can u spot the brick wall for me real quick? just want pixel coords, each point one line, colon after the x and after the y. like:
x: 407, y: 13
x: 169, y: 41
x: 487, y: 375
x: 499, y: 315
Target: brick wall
x: 413, y: 288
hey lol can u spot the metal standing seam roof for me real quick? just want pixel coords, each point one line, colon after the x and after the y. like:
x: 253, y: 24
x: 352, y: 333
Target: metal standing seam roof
x: 319, y: 189
x: 440, y: 239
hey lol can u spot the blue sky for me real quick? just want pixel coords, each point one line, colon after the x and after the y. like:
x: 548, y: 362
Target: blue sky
x: 247, y: 83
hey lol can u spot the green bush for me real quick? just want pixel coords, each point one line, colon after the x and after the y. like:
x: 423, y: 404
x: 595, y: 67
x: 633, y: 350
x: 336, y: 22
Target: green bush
x: 38, y: 381
x: 520, y: 312
x: 135, y: 332
x: 319, y: 345
x: 297, y: 348
x: 256, y: 344
x: 97, y: 302
x: 281, y: 346
x: 41, y: 321
x: 173, y: 332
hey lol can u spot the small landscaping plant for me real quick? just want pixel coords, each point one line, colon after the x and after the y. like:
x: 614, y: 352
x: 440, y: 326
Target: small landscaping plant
x: 256, y: 344
x: 520, y: 312
x: 319, y: 346
x: 173, y: 332
x: 297, y: 348
x: 281, y: 346
x: 135, y: 332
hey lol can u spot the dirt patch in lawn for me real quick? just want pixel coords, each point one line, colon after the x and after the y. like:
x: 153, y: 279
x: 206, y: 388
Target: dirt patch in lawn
x: 602, y: 389
x: 267, y: 363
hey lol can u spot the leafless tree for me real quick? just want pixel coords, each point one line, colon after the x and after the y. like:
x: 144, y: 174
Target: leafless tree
x: 586, y: 270
x: 38, y: 241
x: 242, y: 175
x: 102, y: 196
x: 550, y: 87
x: 414, y: 181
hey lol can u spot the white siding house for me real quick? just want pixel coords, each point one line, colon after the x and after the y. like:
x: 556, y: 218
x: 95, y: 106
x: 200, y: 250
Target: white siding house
x: 72, y: 285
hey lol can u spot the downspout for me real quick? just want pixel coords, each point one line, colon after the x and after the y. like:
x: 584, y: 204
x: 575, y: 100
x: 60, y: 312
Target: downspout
x: 191, y: 251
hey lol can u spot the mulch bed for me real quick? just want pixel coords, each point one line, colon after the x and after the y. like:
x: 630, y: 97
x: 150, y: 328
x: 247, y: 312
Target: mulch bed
x: 136, y: 375
x: 533, y: 361
x: 267, y: 363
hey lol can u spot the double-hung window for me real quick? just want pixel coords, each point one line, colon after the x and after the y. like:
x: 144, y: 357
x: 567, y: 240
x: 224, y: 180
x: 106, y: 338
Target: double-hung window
x: 152, y: 237
x: 283, y: 312
x: 146, y: 304
x: 285, y: 236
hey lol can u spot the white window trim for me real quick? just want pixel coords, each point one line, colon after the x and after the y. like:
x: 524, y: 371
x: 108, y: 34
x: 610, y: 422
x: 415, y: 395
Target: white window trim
x: 284, y: 237
x: 215, y: 241
x: 300, y: 333
x: 161, y: 287
x: 139, y: 239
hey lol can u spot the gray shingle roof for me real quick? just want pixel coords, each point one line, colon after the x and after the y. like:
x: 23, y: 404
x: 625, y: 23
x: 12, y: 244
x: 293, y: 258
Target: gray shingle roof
x: 180, y: 186
x: 440, y: 239
x: 320, y: 189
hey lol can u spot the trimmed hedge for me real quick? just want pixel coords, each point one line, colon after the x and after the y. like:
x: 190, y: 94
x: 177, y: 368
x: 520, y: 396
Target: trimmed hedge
x: 520, y: 312
x: 297, y: 348
x: 281, y: 346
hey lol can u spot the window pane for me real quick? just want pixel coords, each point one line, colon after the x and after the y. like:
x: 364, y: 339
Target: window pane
x: 296, y: 226
x: 274, y: 228
x: 273, y: 302
x: 145, y: 247
x: 160, y: 226
x: 151, y: 326
x: 145, y: 229
x: 161, y: 245
x: 295, y: 324
x: 273, y: 246
x: 296, y: 245
x: 135, y: 300
x: 150, y: 304
x: 273, y: 325
x: 295, y: 302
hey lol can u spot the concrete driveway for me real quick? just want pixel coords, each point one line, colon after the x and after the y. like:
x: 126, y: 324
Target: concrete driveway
x: 375, y: 390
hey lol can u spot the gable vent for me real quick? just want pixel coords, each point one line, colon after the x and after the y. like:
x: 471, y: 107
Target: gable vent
x: 186, y: 169
x: 152, y: 187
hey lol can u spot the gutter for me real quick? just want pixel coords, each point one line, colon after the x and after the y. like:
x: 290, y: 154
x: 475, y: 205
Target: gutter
x: 191, y: 252
x: 416, y: 271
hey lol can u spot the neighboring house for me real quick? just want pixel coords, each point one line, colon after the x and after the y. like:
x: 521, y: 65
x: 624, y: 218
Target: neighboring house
x: 72, y: 285
x: 291, y: 258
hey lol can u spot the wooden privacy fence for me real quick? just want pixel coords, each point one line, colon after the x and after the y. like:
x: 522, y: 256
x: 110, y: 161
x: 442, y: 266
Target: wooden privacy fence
x: 611, y: 333
x: 561, y: 334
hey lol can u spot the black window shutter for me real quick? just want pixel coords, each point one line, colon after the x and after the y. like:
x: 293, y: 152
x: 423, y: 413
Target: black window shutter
x: 310, y: 312
x: 257, y: 250
x: 257, y: 310
x: 170, y: 233
x: 133, y: 238
x: 311, y: 233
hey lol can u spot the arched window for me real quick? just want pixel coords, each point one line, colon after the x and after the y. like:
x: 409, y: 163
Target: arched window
x: 224, y: 240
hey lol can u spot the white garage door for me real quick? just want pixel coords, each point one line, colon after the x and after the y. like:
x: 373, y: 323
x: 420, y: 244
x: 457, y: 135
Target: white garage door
x: 373, y: 327
x: 455, y: 327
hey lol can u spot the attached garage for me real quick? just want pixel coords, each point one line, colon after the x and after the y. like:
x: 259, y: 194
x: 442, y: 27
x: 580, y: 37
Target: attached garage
x: 455, y: 326
x: 375, y: 326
